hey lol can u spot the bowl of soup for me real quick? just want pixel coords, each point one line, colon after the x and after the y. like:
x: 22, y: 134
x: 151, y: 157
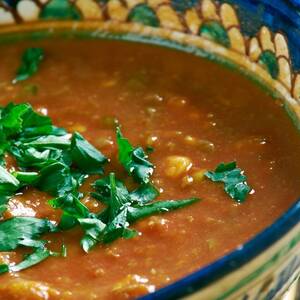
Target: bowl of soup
x: 149, y: 149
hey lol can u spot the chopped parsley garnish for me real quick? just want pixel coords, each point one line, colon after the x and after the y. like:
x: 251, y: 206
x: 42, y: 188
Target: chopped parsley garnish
x: 30, y: 62
x: 86, y: 156
x: 24, y: 232
x: 235, y: 182
x: 56, y: 162
x: 134, y: 160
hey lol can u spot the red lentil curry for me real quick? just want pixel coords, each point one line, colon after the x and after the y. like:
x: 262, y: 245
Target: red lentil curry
x: 99, y: 138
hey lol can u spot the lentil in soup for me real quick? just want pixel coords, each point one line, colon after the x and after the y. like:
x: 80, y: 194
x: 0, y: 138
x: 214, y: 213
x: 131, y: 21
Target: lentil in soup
x: 189, y: 115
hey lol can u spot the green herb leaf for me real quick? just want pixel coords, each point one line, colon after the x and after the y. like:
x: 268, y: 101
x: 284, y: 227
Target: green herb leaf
x: 116, y: 228
x: 8, y: 186
x: 12, y: 118
x: 125, y: 208
x: 87, y: 158
x: 32, y: 259
x: 28, y: 157
x: 94, y: 230
x: 49, y: 142
x: 23, y: 231
x: 71, y: 205
x: 138, y: 212
x: 8, y: 183
x: 134, y: 160
x: 43, y: 130
x: 3, y: 208
x: 118, y: 197
x: 55, y: 179
x: 4, y: 268
x: 33, y: 119
x: 26, y: 178
x: 31, y: 60
x: 144, y: 194
x: 103, y: 187
x: 233, y: 178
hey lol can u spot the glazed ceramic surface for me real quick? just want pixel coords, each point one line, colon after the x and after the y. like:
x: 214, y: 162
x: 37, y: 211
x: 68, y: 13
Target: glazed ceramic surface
x: 260, y: 39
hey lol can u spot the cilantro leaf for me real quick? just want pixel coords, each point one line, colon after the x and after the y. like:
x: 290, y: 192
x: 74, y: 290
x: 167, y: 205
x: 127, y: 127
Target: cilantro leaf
x: 55, y: 179
x: 23, y: 231
x: 4, y: 268
x: 12, y: 118
x: 31, y: 60
x: 144, y: 194
x: 8, y: 183
x: 235, y: 182
x: 86, y: 156
x: 43, y: 130
x: 8, y: 186
x: 26, y: 178
x: 33, y: 119
x: 29, y: 157
x: 3, y: 208
x: 76, y: 212
x: 104, y: 187
x: 32, y: 259
x: 124, y: 207
x: 134, y: 160
x: 71, y: 205
x: 118, y: 197
x: 49, y: 142
x: 94, y: 230
x: 138, y: 212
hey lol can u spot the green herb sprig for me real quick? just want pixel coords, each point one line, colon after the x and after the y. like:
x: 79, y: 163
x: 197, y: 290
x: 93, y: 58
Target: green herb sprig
x: 30, y: 62
x: 235, y: 182
x: 56, y: 162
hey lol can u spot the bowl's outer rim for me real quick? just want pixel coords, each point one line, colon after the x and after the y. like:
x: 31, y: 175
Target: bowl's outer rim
x: 246, y: 252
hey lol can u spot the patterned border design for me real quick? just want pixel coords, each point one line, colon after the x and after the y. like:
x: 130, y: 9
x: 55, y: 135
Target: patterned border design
x: 216, y: 22
x: 219, y: 26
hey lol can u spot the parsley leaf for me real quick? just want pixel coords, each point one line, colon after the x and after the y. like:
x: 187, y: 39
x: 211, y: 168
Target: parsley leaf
x: 138, y: 212
x: 235, y: 182
x: 32, y: 259
x: 29, y: 157
x: 4, y: 268
x: 31, y: 60
x: 43, y: 130
x: 86, y: 156
x: 8, y: 183
x: 48, y: 142
x: 144, y: 194
x: 134, y: 160
x: 12, y: 118
x: 94, y: 230
x: 124, y: 207
x: 23, y: 231
x: 71, y: 205
x: 55, y: 179
x: 26, y: 178
x: 8, y: 186
x: 33, y: 119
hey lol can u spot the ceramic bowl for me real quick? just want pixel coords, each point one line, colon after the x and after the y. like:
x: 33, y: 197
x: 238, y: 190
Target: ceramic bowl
x: 260, y: 39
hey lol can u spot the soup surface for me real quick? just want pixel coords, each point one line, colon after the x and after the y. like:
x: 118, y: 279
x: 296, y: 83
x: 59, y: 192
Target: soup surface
x: 195, y: 115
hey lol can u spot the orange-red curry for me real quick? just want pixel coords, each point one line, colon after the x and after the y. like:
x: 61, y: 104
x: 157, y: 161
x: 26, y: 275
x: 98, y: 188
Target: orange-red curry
x: 195, y: 114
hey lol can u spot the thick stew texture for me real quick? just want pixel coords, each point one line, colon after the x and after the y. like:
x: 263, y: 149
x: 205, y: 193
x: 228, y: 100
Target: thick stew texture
x: 189, y: 115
